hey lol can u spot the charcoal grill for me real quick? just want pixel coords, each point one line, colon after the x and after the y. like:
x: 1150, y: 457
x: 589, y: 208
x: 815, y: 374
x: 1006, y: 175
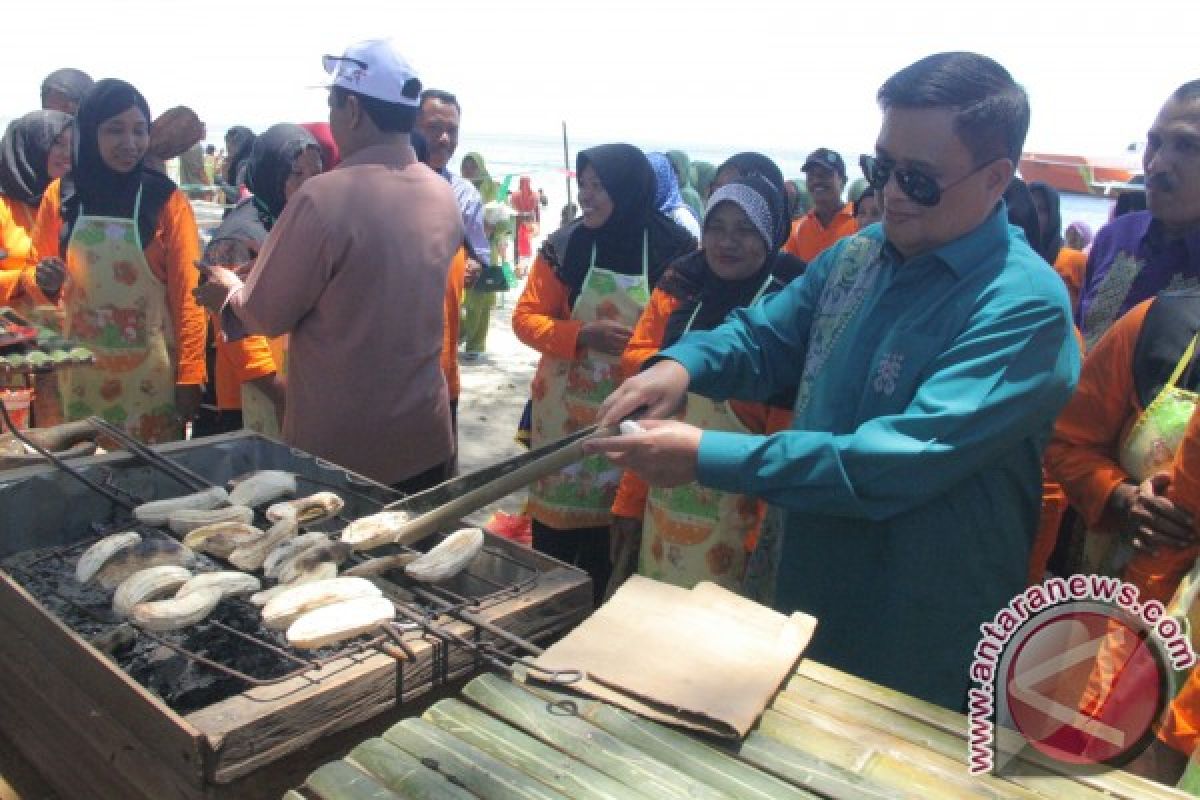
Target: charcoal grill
x: 200, y: 713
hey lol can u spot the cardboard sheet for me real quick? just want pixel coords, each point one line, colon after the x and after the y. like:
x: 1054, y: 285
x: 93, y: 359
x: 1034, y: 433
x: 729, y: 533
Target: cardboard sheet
x: 703, y: 658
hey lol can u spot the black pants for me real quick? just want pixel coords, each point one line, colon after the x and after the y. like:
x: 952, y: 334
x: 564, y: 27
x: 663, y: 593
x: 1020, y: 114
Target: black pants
x: 586, y: 548
x: 210, y: 422
x: 427, y: 479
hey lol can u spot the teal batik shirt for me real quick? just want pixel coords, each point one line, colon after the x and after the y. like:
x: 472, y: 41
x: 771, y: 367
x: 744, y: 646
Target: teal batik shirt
x: 912, y: 476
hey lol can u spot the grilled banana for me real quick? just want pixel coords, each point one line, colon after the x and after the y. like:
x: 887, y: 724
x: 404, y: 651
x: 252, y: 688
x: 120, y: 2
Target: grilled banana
x: 285, y: 607
x: 231, y: 583
x: 313, y: 558
x: 176, y: 612
x: 157, y: 512
x: 449, y: 558
x: 325, y: 572
x: 335, y: 623
x: 250, y: 557
x: 367, y: 533
x: 308, y: 510
x: 148, y: 584
x: 222, y: 538
x: 99, y: 553
x: 145, y: 554
x: 187, y: 520
x: 262, y: 487
x: 289, y: 550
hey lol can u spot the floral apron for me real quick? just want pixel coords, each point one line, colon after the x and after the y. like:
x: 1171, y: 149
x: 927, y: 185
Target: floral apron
x: 117, y: 308
x: 693, y: 533
x: 1149, y: 447
x: 567, y: 394
x: 258, y: 410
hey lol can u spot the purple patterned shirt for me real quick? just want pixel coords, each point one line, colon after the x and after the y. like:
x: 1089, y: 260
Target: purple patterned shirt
x: 1131, y: 261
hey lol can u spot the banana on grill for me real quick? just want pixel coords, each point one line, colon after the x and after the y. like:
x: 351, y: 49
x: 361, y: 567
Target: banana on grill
x: 222, y: 538
x: 285, y: 607
x: 336, y: 623
x: 376, y: 530
x: 250, y: 557
x: 148, y: 584
x: 289, y: 550
x: 314, y: 558
x: 230, y: 582
x: 143, y: 555
x: 448, y: 558
x: 156, y: 512
x: 99, y: 553
x: 262, y: 487
x: 176, y: 612
x: 307, y: 510
x: 187, y: 520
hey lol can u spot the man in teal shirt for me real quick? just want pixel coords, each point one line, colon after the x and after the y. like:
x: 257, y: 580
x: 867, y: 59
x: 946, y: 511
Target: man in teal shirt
x: 932, y: 354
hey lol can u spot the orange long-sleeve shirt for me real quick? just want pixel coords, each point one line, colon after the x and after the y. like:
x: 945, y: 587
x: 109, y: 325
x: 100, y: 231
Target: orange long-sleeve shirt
x: 15, y: 244
x: 542, y: 318
x: 1084, y: 450
x: 455, y: 280
x: 172, y: 256
x: 238, y: 362
x: 22, y: 214
x: 646, y: 340
x: 809, y: 237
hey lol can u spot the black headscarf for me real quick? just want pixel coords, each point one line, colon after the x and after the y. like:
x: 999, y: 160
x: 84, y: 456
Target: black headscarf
x: 243, y: 144
x: 694, y: 283
x: 630, y: 182
x: 270, y: 163
x: 751, y: 163
x: 102, y: 191
x: 1022, y: 212
x: 74, y: 83
x: 24, y: 151
x: 1052, y: 240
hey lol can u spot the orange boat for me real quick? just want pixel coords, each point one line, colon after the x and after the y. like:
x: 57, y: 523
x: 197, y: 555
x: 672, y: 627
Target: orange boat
x: 1079, y: 174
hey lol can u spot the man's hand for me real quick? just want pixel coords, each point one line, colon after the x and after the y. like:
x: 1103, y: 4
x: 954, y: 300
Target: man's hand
x: 471, y: 272
x: 187, y: 401
x: 1149, y: 519
x: 664, y: 454
x: 657, y: 393
x: 624, y: 544
x: 605, y: 336
x: 220, y: 283
x: 50, y: 274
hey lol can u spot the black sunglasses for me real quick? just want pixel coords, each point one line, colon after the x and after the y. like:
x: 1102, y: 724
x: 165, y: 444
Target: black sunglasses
x: 921, y: 188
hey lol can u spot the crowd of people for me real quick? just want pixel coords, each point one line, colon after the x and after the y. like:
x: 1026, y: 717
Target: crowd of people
x: 891, y: 406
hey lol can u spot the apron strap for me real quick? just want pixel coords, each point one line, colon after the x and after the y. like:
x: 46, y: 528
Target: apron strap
x: 1185, y: 361
x: 757, y: 296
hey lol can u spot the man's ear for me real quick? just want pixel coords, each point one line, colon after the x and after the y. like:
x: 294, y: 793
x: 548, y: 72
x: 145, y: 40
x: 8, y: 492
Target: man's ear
x: 998, y: 175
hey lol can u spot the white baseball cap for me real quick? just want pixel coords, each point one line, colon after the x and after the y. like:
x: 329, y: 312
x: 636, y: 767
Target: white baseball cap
x: 376, y: 69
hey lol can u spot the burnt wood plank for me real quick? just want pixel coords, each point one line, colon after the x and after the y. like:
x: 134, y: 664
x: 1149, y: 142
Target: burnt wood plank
x: 265, y: 723
x: 62, y: 656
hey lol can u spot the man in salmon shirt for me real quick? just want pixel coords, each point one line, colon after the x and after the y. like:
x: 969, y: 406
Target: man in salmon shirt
x: 831, y: 217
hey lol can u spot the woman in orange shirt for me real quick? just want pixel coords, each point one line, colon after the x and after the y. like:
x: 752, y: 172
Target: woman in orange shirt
x: 689, y: 534
x: 35, y: 150
x: 248, y: 373
x: 124, y: 239
x: 586, y: 290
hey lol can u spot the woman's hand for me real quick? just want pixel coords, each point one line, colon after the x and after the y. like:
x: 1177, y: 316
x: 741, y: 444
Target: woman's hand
x: 605, y: 336
x: 1150, y: 520
x: 50, y: 274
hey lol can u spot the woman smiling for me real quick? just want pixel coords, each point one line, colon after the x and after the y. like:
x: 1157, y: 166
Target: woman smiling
x: 128, y: 245
x: 690, y: 533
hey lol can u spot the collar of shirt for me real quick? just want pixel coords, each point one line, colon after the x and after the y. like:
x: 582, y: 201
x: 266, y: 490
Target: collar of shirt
x: 846, y: 211
x: 385, y: 154
x: 966, y: 251
x: 1155, y: 239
